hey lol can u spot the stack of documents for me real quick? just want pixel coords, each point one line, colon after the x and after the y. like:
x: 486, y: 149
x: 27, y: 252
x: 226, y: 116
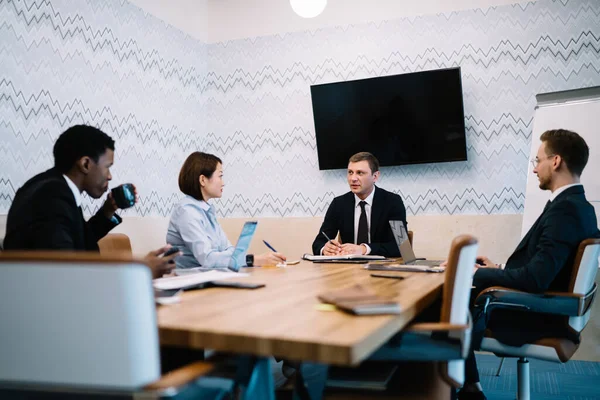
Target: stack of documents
x: 190, y: 280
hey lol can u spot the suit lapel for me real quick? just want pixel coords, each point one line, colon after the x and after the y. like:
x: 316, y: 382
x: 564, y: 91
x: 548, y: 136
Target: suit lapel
x: 348, y: 235
x: 575, y: 190
x: 533, y: 228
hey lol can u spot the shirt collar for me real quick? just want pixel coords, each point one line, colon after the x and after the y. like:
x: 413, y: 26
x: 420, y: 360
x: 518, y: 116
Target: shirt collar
x: 201, y: 203
x: 562, y: 189
x: 74, y: 189
x: 368, y: 200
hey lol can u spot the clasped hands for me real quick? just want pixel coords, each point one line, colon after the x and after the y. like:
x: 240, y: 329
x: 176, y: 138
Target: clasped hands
x: 335, y: 248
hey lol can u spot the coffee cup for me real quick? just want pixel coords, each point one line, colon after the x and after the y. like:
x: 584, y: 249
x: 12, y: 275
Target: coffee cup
x: 124, y: 195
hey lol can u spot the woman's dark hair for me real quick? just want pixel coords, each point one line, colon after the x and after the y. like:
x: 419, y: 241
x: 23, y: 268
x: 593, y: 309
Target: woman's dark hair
x: 197, y: 164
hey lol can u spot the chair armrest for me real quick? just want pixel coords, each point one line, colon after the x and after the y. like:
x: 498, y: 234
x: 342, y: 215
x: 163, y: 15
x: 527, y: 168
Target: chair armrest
x: 435, y: 327
x: 180, y: 376
x: 557, y: 303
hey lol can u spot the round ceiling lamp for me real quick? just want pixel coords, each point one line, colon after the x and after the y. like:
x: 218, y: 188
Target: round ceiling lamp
x: 308, y: 8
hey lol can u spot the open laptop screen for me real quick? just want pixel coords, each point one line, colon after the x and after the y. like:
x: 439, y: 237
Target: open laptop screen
x: 238, y: 259
x: 401, y: 237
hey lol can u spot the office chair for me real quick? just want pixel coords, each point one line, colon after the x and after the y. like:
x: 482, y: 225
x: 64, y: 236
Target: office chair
x: 80, y: 325
x: 575, y: 305
x: 448, y: 337
x: 114, y: 243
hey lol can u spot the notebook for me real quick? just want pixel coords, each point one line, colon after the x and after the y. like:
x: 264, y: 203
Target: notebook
x: 403, y: 267
x: 359, y: 300
x: 343, y: 258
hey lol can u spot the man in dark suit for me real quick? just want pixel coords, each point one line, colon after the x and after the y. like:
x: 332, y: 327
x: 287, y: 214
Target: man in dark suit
x: 362, y: 215
x: 543, y: 259
x: 46, y: 211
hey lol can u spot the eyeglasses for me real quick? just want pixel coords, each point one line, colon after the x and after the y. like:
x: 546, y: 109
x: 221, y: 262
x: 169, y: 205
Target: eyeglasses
x: 536, y: 161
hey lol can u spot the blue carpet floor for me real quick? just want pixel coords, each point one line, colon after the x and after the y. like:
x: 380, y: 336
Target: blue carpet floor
x: 575, y: 380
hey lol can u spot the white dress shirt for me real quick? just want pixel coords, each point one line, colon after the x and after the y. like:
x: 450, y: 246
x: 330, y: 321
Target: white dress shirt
x: 357, y: 211
x: 74, y: 189
x: 562, y: 189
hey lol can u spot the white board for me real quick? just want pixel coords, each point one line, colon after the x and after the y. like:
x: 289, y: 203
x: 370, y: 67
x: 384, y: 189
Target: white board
x: 575, y: 110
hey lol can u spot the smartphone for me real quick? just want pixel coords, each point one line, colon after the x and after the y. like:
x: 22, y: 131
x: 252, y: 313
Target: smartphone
x: 387, y: 276
x: 236, y: 285
x: 172, y: 250
x: 167, y: 292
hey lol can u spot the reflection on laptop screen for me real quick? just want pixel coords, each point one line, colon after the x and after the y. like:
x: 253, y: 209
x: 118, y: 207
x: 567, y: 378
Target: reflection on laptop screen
x: 401, y: 237
x: 238, y: 259
x: 399, y: 231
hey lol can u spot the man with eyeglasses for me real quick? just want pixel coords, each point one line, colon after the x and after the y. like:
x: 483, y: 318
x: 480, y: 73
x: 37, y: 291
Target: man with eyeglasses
x: 543, y: 259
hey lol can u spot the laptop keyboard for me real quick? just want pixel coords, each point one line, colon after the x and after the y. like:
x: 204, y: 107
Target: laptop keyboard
x: 429, y: 263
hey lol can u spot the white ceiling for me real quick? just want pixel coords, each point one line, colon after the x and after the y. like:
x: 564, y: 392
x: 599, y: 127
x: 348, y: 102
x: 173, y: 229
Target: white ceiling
x: 222, y: 20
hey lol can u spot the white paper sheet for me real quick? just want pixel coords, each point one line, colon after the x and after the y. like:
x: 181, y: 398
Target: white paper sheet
x: 178, y: 282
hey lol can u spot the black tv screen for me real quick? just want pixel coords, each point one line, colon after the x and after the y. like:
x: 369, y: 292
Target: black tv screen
x: 402, y: 119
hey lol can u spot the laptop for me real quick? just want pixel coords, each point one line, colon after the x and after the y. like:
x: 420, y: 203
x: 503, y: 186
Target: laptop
x: 406, y: 250
x: 238, y: 258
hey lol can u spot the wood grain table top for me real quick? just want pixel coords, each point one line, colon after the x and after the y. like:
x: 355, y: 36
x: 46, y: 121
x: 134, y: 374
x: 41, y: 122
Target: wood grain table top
x: 286, y: 319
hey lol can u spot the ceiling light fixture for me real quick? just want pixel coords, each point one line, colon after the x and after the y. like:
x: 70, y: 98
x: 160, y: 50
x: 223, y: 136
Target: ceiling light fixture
x: 308, y: 8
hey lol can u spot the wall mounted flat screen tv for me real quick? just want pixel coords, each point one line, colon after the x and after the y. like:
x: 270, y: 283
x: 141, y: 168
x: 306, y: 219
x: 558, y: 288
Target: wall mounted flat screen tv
x: 402, y: 119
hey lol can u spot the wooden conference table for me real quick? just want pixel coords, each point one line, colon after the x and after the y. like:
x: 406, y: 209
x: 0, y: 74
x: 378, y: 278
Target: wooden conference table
x: 285, y: 319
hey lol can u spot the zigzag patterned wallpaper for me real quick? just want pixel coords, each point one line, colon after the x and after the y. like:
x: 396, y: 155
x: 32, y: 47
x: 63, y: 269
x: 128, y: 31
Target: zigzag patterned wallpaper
x: 162, y: 94
x: 105, y: 63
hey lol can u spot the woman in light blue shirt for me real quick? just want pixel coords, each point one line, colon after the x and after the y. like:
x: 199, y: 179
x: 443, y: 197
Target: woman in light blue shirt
x: 193, y: 226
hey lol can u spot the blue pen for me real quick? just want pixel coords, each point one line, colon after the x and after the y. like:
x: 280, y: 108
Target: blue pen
x: 269, y: 246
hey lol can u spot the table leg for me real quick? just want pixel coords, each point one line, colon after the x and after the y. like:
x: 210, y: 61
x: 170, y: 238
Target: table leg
x: 310, y: 381
x: 256, y: 379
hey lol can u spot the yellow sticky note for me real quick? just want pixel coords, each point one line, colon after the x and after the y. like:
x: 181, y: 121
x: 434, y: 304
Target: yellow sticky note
x: 325, y: 307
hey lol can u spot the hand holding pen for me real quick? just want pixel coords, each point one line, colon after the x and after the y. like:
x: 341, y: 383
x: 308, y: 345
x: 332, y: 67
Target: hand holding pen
x: 332, y: 247
x: 273, y: 258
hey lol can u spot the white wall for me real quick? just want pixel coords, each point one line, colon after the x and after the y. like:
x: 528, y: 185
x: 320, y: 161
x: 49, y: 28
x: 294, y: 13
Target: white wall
x: 237, y: 19
x: 190, y: 16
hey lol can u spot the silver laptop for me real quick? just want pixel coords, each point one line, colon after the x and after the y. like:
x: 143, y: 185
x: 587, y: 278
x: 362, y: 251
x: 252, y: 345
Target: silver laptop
x: 406, y: 250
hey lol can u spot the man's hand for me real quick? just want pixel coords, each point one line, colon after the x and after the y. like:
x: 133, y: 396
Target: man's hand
x: 484, y: 262
x: 332, y: 248
x: 265, y: 259
x: 349, y: 248
x: 110, y: 205
x: 161, y: 265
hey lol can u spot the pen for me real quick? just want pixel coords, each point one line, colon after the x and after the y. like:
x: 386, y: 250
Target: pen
x: 269, y: 246
x: 327, y: 237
